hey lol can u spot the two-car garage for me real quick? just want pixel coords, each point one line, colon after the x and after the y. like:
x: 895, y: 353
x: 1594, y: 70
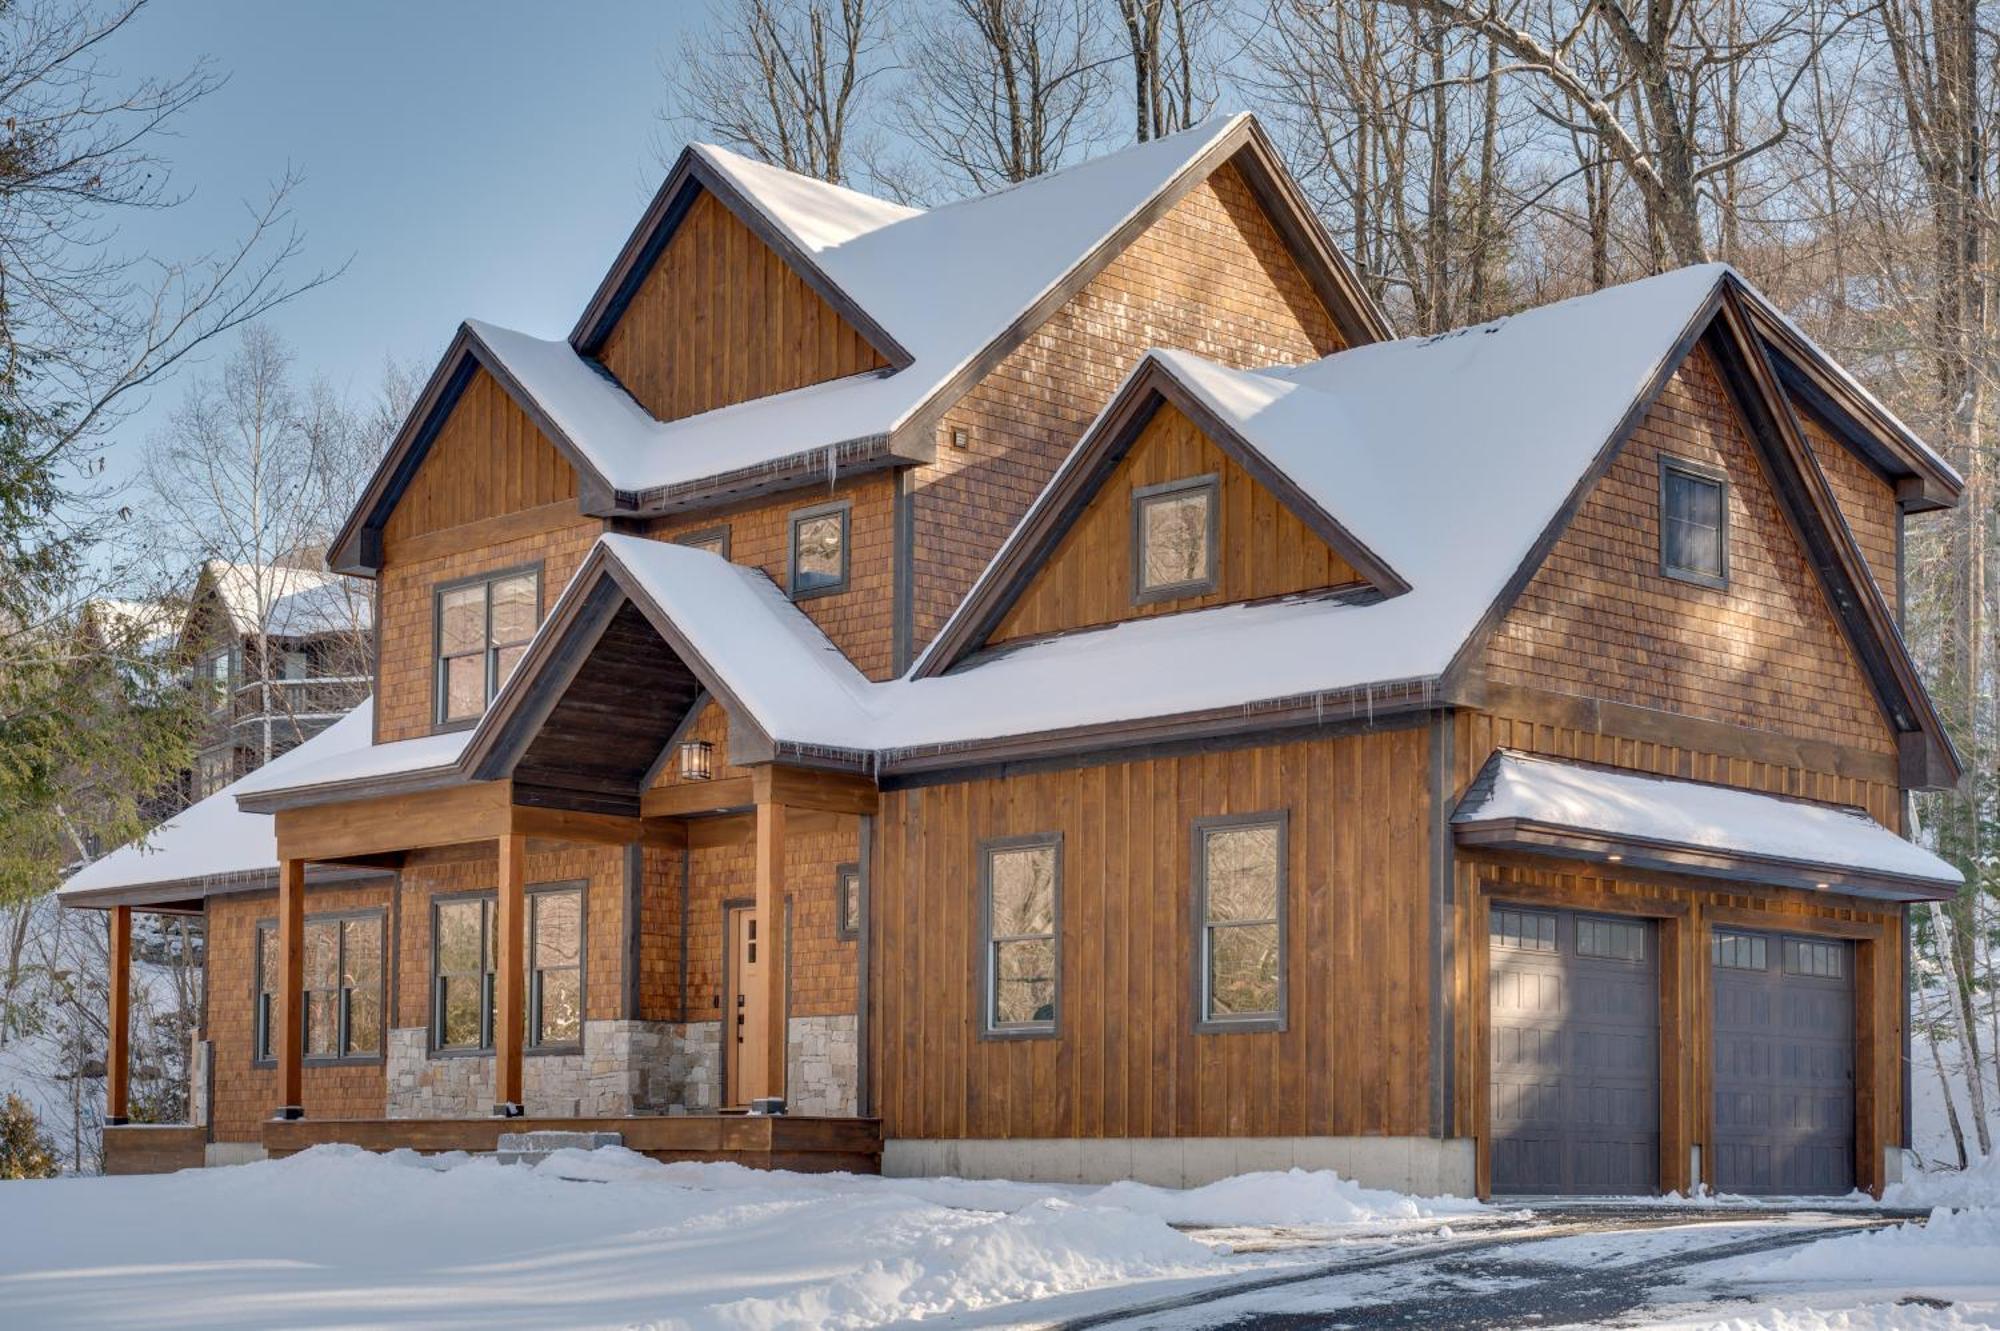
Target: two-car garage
x: 1574, y: 1037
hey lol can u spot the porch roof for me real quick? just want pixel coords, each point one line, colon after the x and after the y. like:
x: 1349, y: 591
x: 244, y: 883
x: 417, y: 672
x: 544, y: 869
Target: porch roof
x: 213, y: 847
x: 1545, y: 806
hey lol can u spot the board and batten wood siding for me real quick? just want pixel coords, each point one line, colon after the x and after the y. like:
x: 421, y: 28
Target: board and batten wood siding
x: 1599, y: 619
x: 1212, y: 277
x: 245, y: 1094
x: 1126, y: 1060
x: 722, y: 319
x: 1262, y: 548
x: 1867, y: 500
x: 488, y: 459
x: 1543, y: 725
x: 859, y: 619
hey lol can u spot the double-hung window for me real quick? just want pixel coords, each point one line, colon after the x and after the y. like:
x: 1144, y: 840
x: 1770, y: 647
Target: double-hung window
x: 1022, y: 887
x: 1694, y: 523
x: 342, y: 991
x: 1240, y: 869
x: 462, y: 973
x: 555, y: 952
x: 483, y: 627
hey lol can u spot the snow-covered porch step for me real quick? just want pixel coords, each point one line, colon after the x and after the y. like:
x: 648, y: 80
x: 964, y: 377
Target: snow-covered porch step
x: 531, y: 1148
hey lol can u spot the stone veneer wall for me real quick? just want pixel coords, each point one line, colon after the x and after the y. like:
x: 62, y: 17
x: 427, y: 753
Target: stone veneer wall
x: 623, y: 1070
x: 823, y: 1065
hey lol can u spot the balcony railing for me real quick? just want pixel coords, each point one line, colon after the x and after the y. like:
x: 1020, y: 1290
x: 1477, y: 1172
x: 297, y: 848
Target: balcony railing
x: 300, y: 699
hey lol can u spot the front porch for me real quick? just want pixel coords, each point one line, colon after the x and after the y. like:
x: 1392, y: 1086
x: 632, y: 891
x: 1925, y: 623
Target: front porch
x: 759, y: 1141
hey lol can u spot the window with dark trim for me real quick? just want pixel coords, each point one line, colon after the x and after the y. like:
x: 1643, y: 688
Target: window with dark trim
x: 818, y: 560
x: 464, y: 959
x: 1174, y: 538
x: 1739, y: 952
x: 1240, y: 866
x: 1694, y: 523
x: 1824, y: 960
x: 715, y: 540
x: 847, y: 889
x: 343, y: 988
x: 1523, y: 930
x: 1021, y: 892
x: 482, y: 630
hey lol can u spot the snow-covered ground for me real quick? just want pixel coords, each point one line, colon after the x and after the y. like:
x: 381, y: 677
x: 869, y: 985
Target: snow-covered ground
x: 336, y: 1237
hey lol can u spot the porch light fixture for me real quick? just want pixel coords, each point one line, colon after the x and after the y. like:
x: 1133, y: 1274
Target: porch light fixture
x: 697, y: 760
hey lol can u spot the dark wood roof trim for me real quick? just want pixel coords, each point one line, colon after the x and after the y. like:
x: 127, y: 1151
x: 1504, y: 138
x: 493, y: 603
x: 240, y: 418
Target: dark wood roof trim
x: 339, y: 792
x: 1809, y: 502
x: 813, y: 466
x: 1855, y: 418
x: 538, y: 682
x: 691, y: 174
x: 1071, y: 490
x: 1579, y: 843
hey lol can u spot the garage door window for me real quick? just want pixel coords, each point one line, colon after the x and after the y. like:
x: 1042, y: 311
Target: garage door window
x: 1805, y: 958
x: 1740, y: 952
x: 1530, y: 931
x: 1614, y: 940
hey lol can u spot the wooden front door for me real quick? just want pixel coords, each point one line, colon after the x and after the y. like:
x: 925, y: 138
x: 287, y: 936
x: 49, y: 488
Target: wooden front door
x: 746, y: 1030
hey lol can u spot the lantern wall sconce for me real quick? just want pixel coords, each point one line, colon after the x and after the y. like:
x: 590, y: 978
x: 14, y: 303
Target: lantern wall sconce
x: 697, y: 760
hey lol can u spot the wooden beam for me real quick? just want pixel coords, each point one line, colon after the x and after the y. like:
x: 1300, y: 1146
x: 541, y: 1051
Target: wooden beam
x: 694, y: 797
x: 771, y: 915
x: 509, y: 990
x: 740, y: 829
x: 291, y: 988
x: 811, y: 788
x: 448, y: 816
x: 601, y: 828
x: 118, y: 1052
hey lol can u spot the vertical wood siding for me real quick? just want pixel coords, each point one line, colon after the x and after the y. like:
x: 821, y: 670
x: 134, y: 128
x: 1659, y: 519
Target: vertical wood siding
x: 722, y: 319
x: 1211, y: 277
x: 488, y: 459
x: 1126, y: 1060
x: 1599, y: 619
x: 1867, y: 501
x: 1263, y: 549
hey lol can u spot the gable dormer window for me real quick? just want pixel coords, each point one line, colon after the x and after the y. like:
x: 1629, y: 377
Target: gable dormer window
x: 483, y: 627
x: 1174, y: 539
x: 1694, y: 523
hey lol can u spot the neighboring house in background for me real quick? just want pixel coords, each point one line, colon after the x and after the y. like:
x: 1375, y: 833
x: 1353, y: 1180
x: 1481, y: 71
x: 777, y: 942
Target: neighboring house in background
x: 288, y: 652
x: 1048, y: 686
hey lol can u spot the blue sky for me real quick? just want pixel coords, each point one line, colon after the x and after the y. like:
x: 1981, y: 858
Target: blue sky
x: 471, y: 159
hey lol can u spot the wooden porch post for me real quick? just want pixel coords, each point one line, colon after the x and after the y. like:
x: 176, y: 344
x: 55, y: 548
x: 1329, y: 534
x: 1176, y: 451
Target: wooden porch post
x: 118, y: 1052
x: 771, y: 912
x: 509, y: 991
x: 291, y: 988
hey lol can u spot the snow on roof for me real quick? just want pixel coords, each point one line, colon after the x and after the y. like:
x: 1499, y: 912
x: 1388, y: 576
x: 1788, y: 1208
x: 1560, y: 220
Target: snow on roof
x: 212, y: 843
x: 359, y: 762
x: 998, y: 254
x: 1633, y: 806
x: 1447, y: 456
x: 302, y: 601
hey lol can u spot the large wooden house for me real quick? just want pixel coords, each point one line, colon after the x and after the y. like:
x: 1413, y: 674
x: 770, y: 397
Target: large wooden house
x: 1048, y: 686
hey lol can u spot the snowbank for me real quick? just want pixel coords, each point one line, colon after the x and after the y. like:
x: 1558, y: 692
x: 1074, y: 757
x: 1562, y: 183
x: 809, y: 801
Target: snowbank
x: 336, y: 1236
x: 1978, y: 1186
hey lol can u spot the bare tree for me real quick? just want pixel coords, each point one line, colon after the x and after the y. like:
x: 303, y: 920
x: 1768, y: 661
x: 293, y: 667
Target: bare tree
x: 1172, y: 83
x: 781, y: 80
x: 1001, y: 91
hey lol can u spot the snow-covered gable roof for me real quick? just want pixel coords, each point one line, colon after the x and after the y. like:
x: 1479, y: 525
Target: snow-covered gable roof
x: 1523, y: 800
x: 212, y: 846
x: 303, y: 601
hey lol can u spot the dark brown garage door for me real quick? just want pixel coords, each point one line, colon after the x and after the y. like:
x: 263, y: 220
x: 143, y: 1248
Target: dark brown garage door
x: 1784, y: 1064
x: 1576, y: 1065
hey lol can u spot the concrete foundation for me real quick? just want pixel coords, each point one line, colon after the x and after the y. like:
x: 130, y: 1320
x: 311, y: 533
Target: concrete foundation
x: 1421, y: 1165
x: 232, y: 1153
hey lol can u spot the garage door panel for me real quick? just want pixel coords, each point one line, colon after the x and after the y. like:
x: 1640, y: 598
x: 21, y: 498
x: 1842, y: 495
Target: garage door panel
x: 1784, y: 1064
x: 1574, y: 1006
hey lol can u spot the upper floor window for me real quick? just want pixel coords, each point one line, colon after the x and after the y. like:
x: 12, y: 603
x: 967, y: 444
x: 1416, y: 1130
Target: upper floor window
x: 1694, y: 523
x: 847, y: 879
x: 1240, y: 904
x: 1022, y: 889
x: 483, y: 627
x: 1174, y: 539
x: 343, y: 987
x: 819, y: 550
x: 715, y: 540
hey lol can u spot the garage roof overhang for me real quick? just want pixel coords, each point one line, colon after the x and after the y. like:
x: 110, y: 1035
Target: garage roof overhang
x: 1576, y: 811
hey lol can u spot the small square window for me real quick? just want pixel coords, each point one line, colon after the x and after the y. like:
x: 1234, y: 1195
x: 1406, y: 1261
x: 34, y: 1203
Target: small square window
x: 1694, y: 524
x: 847, y: 883
x: 819, y: 551
x: 715, y: 540
x: 1174, y: 539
